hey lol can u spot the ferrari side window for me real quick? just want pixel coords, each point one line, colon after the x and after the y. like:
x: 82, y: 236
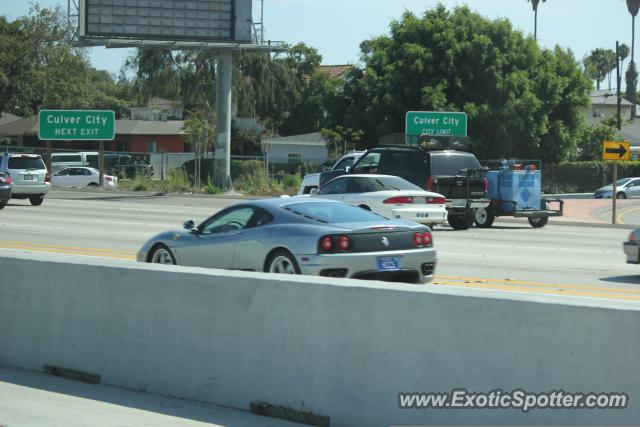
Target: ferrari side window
x: 230, y: 220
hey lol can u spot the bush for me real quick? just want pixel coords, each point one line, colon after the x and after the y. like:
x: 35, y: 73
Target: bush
x: 249, y: 177
x: 141, y: 182
x: 206, y: 169
x: 177, y: 181
x: 211, y: 189
x: 583, y: 177
x: 292, y: 181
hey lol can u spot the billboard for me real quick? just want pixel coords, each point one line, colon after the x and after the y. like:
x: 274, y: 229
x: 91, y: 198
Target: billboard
x: 170, y: 20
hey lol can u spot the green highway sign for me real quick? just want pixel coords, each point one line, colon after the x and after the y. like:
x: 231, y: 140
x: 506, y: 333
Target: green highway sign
x: 436, y: 123
x: 76, y: 125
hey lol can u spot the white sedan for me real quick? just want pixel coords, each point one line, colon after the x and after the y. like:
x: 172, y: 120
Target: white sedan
x: 389, y: 196
x: 82, y: 177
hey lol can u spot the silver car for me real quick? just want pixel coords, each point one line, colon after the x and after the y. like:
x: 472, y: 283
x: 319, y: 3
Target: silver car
x: 626, y: 189
x: 29, y: 175
x: 292, y: 236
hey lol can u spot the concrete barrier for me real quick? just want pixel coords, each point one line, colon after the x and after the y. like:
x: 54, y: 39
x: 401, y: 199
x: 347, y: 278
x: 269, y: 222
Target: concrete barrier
x: 340, y: 349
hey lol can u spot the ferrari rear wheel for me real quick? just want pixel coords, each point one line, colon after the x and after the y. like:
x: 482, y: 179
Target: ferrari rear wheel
x: 282, y: 262
x: 162, y: 255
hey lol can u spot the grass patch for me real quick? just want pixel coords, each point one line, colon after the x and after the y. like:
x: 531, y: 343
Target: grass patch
x: 250, y: 179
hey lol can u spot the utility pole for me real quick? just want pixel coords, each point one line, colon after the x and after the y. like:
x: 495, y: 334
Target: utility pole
x: 618, y: 95
x: 619, y: 122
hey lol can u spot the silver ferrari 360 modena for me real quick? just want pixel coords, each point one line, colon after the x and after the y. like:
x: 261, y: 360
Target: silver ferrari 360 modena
x: 301, y: 236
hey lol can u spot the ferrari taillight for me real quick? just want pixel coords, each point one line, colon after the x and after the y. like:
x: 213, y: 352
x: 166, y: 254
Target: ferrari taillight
x: 427, y: 238
x: 326, y: 243
x: 344, y: 243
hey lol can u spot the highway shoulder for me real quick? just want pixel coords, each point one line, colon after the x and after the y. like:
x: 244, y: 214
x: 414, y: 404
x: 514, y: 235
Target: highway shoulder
x: 32, y: 399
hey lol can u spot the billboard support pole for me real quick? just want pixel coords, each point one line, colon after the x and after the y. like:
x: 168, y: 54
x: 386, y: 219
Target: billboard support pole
x: 101, y: 162
x: 222, y: 170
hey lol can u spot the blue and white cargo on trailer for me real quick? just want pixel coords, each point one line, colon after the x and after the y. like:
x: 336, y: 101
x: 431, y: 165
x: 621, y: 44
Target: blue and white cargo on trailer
x: 516, y: 190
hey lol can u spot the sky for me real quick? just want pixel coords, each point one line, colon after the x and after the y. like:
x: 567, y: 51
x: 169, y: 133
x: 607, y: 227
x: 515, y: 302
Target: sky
x: 337, y: 27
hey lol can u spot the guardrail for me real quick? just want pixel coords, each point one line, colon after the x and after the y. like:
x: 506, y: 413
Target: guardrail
x: 338, y: 350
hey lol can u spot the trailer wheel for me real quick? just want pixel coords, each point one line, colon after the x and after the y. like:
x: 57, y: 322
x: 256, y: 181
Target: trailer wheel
x: 484, y: 217
x: 538, y: 221
x: 461, y: 222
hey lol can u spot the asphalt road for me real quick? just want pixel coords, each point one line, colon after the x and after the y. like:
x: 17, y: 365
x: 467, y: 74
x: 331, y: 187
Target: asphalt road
x: 557, y: 259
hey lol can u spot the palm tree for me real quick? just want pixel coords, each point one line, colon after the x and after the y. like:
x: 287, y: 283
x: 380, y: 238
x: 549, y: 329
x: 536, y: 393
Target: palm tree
x: 633, y: 6
x: 534, y: 4
x: 623, y: 53
x: 598, y: 64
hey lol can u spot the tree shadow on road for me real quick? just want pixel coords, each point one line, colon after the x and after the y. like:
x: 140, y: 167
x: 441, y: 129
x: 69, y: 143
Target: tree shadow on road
x: 632, y: 279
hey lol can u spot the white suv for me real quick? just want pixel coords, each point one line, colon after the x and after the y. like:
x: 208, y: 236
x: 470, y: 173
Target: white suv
x: 29, y: 174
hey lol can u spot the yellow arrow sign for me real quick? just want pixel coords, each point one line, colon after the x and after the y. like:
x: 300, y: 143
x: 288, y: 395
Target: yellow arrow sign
x: 615, y: 150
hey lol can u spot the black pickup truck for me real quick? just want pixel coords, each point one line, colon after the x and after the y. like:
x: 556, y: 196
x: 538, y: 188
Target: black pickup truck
x: 457, y: 175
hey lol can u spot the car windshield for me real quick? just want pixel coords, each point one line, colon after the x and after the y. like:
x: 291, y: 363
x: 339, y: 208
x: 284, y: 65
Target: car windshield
x: 452, y: 163
x: 344, y: 163
x: 26, y: 163
x: 623, y: 181
x: 331, y: 212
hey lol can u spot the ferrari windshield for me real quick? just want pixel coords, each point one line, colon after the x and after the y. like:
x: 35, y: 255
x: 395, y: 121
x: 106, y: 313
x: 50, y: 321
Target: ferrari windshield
x: 332, y: 212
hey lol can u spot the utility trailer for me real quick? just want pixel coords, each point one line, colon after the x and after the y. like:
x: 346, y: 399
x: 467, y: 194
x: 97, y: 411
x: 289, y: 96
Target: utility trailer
x: 516, y: 190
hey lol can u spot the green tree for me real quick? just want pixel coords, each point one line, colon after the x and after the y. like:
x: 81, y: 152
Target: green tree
x: 534, y: 5
x: 599, y: 64
x: 187, y: 75
x: 591, y: 70
x: 298, y: 93
x: 521, y: 101
x: 110, y: 93
x: 38, y: 68
x: 623, y: 53
x: 266, y: 88
x: 590, y: 146
x: 340, y: 140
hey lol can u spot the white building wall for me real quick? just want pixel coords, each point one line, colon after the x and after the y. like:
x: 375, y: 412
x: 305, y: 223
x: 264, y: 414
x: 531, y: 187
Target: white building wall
x: 313, y: 154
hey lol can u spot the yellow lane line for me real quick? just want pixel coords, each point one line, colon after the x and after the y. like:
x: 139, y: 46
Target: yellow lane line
x: 521, y: 283
x: 549, y: 291
x: 621, y: 215
x: 70, y: 251
x: 76, y: 248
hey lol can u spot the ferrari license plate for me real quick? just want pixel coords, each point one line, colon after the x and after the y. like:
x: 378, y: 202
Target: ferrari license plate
x: 388, y: 264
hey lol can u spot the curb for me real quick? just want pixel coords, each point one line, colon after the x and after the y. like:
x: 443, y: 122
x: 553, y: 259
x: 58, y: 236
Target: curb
x: 570, y: 196
x: 108, y: 194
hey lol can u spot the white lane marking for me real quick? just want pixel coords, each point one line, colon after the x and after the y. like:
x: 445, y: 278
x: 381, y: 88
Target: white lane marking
x: 104, y: 209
